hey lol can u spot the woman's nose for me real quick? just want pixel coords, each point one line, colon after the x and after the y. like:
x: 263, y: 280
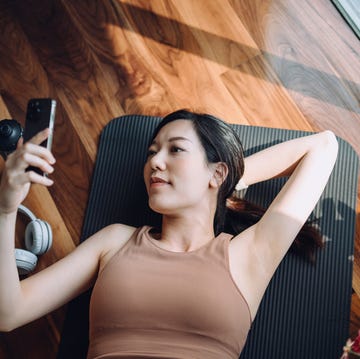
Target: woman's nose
x: 157, y: 162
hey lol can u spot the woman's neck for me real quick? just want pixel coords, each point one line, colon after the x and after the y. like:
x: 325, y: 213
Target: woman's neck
x: 185, y: 234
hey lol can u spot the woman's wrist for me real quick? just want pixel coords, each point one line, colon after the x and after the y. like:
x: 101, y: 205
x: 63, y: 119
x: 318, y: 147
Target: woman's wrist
x: 7, y: 212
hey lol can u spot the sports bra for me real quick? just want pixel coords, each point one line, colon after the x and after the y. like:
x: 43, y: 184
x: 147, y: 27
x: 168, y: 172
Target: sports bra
x: 149, y: 302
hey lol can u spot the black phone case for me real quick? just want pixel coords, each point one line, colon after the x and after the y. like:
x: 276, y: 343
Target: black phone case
x: 39, y: 115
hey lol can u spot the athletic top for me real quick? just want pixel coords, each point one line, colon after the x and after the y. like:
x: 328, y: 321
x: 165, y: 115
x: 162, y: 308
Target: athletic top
x: 149, y: 302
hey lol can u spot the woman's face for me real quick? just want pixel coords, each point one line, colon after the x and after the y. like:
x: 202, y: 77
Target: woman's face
x: 176, y: 173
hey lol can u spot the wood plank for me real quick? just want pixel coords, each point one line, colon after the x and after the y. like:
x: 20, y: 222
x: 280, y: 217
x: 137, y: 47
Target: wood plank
x: 21, y: 73
x: 121, y: 59
x: 355, y: 316
x: 72, y: 66
x: 204, y: 20
x: 297, y: 41
x: 4, y: 112
x: 26, y: 78
x: 176, y: 59
x: 262, y: 98
x: 226, y: 43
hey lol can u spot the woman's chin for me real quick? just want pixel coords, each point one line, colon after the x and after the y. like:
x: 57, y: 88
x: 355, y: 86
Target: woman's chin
x: 161, y: 208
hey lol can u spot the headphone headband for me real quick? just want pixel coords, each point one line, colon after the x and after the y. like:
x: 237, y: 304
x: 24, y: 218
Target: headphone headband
x: 27, y: 212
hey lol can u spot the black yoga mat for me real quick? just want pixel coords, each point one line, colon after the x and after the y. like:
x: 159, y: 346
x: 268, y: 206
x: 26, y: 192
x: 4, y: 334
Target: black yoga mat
x: 306, y: 309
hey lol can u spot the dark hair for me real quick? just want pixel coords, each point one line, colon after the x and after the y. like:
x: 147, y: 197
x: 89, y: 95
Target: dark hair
x: 233, y: 214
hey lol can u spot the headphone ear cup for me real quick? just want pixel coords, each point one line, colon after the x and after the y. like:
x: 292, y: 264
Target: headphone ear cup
x: 25, y: 261
x: 49, y: 236
x: 38, y: 237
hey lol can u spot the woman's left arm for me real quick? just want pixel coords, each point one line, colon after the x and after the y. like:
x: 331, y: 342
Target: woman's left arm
x: 255, y: 253
x: 280, y: 160
x: 309, y: 162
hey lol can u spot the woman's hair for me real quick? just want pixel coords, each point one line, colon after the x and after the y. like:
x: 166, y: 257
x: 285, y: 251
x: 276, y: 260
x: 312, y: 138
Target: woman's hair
x: 233, y: 214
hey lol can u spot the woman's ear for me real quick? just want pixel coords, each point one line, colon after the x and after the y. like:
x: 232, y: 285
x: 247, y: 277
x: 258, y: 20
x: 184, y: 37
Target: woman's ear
x: 220, y: 172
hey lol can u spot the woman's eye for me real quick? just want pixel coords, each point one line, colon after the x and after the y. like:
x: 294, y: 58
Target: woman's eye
x: 176, y: 149
x: 150, y: 153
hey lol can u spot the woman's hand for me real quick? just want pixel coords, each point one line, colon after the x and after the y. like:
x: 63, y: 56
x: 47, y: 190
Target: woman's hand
x: 15, y: 180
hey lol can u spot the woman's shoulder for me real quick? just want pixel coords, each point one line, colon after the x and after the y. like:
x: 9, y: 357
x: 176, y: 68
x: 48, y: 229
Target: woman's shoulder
x: 118, y: 228
x: 115, y: 236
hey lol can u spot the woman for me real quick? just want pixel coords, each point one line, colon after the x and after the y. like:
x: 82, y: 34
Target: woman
x: 188, y: 290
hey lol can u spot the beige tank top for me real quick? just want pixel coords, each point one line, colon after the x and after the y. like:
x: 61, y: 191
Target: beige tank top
x: 149, y: 302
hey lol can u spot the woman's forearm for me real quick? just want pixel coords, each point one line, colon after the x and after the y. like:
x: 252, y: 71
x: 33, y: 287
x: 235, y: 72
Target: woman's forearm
x: 10, y: 290
x: 281, y: 159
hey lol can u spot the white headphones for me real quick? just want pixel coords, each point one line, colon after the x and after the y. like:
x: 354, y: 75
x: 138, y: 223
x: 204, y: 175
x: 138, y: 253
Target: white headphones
x: 38, y: 240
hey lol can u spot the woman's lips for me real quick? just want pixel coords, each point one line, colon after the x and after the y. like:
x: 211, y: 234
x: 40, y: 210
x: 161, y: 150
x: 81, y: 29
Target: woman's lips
x: 157, y: 182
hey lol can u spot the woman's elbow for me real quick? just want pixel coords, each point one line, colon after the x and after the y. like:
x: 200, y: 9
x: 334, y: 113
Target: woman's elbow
x: 9, y: 322
x: 329, y: 143
x: 6, y: 326
x: 329, y: 138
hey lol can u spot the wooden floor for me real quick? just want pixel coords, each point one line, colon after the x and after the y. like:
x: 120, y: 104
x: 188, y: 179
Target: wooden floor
x: 282, y: 63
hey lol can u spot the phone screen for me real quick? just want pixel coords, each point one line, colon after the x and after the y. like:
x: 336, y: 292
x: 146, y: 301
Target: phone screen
x: 40, y: 114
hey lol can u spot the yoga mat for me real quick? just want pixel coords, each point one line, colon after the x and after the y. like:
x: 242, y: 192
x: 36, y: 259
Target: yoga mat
x: 306, y: 309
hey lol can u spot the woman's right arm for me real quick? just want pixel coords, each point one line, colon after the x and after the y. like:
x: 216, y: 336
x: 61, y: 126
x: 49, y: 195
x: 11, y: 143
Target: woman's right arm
x: 49, y: 289
x: 26, y: 300
x: 14, y: 187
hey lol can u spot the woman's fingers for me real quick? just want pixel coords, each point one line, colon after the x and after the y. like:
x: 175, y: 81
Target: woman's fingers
x: 40, y: 136
x: 24, y: 178
x: 20, y: 142
x: 34, y: 177
x: 36, y: 161
x: 39, y: 151
x: 15, y: 180
x: 30, y: 154
x: 37, y: 139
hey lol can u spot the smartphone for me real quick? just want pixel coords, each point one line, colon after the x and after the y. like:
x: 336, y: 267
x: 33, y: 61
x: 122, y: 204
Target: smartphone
x: 40, y: 114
